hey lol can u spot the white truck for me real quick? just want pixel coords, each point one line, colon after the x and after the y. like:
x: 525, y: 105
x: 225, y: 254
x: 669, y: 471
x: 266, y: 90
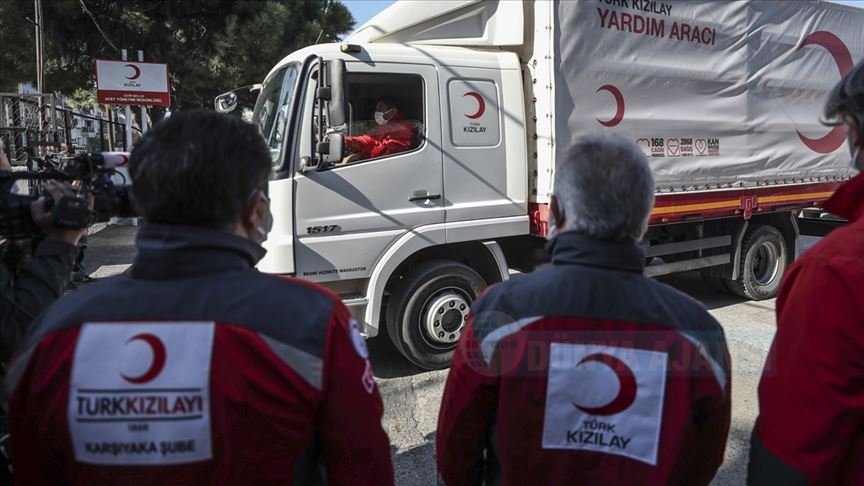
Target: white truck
x: 724, y: 97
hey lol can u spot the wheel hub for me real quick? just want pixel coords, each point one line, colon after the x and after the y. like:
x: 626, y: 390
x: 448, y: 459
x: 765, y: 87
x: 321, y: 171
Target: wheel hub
x: 766, y: 263
x: 445, y: 317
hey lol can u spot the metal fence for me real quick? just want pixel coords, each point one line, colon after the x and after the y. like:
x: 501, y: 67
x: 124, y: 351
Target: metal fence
x: 35, y: 124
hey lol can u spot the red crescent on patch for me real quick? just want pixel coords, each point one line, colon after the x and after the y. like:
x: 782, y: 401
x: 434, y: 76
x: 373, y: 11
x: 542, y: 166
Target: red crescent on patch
x: 626, y: 393
x: 158, y: 359
x: 619, y: 101
x: 838, y: 50
x: 481, y: 105
x: 137, y: 71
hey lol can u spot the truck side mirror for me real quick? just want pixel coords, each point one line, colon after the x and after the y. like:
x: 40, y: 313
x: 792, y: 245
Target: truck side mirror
x: 240, y: 98
x: 226, y: 102
x: 333, y: 148
x: 336, y: 149
x: 337, y: 82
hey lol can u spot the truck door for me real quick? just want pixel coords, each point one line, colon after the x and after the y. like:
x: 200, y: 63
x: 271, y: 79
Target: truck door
x: 348, y: 214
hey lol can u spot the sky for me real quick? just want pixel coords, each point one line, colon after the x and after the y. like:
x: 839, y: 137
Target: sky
x: 363, y: 10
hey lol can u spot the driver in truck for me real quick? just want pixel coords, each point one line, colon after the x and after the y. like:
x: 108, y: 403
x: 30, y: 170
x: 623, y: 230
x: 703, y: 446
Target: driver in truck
x: 392, y: 135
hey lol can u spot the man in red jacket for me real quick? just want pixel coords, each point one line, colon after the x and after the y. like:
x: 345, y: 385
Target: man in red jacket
x: 194, y: 368
x: 392, y: 135
x: 810, y: 428
x: 587, y: 371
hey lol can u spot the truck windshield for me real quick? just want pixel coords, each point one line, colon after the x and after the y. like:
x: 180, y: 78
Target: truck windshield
x: 273, y: 109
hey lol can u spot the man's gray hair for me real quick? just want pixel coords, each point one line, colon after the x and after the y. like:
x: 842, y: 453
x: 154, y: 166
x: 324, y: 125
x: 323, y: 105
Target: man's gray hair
x: 605, y: 188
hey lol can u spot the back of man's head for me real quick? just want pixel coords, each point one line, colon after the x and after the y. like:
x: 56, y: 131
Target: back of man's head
x: 198, y: 168
x: 847, y: 98
x: 605, y: 188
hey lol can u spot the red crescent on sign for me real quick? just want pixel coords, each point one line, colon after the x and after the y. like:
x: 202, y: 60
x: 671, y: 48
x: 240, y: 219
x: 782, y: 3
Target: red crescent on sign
x: 626, y: 393
x: 619, y: 101
x: 481, y: 104
x: 158, y: 359
x: 838, y: 50
x: 137, y: 71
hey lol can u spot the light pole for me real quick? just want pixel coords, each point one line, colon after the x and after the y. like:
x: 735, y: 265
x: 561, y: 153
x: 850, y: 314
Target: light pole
x: 40, y: 59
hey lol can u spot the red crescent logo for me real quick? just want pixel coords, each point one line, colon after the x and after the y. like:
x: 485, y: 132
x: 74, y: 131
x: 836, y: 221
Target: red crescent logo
x: 481, y: 105
x: 619, y: 101
x: 838, y: 50
x: 626, y: 393
x: 136, y: 69
x: 158, y: 359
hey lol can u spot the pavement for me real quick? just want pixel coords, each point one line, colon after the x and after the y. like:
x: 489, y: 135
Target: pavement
x: 412, y: 396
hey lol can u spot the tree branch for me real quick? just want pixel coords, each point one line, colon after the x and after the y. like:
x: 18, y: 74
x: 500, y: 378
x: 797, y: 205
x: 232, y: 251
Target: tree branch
x: 93, y: 18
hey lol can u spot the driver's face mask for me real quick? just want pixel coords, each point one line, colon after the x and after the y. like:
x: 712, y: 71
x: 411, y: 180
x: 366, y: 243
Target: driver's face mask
x: 379, y: 118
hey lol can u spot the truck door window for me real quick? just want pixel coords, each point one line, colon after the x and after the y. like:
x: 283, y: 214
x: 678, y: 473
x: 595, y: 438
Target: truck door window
x: 386, y: 115
x: 273, y: 109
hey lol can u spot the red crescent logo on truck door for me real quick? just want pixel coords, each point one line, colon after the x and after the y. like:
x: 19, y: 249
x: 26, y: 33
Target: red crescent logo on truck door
x: 137, y: 71
x: 626, y: 391
x: 838, y: 50
x: 156, y: 364
x: 619, y: 101
x: 481, y: 104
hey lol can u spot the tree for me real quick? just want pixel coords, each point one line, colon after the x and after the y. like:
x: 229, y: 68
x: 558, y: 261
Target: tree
x: 210, y: 46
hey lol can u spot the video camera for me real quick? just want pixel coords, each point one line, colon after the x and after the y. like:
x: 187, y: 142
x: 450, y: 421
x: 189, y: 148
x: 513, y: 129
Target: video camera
x: 95, y: 175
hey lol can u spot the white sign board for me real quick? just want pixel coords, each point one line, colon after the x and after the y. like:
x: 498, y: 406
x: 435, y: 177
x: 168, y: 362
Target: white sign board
x: 132, y: 83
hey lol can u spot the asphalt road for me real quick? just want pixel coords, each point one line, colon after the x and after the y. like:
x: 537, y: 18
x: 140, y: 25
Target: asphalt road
x: 412, y: 396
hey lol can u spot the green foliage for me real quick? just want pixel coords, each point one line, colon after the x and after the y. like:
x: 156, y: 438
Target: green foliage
x: 82, y: 98
x: 16, y: 35
x: 210, y: 46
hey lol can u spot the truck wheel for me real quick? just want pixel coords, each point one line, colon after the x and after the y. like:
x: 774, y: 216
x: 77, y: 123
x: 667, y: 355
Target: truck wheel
x: 427, y: 311
x: 763, y: 264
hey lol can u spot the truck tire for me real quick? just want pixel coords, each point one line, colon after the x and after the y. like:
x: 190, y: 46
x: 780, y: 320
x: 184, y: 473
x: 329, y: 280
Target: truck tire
x: 763, y: 263
x: 427, y: 310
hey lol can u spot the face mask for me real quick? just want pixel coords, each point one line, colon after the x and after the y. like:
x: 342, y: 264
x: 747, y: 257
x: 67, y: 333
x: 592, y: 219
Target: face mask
x: 854, y: 161
x: 379, y: 118
x: 267, y: 220
x: 551, y: 229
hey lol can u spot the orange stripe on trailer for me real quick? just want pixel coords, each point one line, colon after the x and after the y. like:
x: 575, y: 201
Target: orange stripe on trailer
x: 795, y: 197
x: 736, y: 203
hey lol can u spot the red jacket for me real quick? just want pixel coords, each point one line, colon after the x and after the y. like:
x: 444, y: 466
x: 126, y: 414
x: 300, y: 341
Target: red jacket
x: 397, y: 135
x: 810, y: 428
x: 196, y: 369
x: 586, y: 372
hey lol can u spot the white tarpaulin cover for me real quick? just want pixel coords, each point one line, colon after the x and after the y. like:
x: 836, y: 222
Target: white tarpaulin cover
x: 717, y: 94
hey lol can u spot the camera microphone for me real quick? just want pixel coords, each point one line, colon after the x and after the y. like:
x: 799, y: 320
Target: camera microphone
x: 114, y: 159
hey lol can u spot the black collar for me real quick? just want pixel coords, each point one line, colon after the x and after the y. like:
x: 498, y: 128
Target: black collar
x: 174, y: 251
x: 571, y: 248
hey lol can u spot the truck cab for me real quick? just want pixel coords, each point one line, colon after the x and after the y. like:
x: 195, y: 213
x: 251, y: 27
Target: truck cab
x: 376, y: 230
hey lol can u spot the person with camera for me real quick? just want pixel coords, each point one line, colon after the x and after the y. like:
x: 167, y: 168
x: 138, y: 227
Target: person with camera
x: 193, y: 367
x: 31, y: 281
